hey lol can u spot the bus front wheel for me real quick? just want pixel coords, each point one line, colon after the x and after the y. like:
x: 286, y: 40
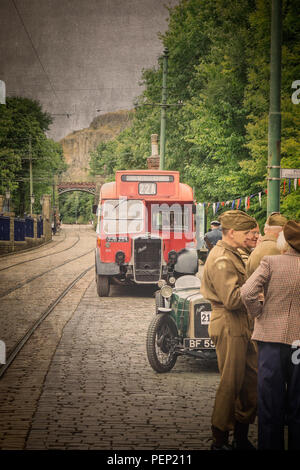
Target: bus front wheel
x: 103, y: 286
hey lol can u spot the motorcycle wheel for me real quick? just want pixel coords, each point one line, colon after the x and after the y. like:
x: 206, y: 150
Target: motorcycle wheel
x: 103, y: 286
x: 161, y: 336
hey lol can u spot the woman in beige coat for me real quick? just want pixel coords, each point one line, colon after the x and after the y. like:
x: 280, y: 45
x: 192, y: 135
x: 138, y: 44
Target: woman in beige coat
x: 277, y: 332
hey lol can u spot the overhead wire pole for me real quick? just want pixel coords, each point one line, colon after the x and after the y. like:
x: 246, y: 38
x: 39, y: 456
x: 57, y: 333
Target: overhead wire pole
x: 163, y: 120
x: 164, y: 106
x: 274, y: 135
x: 30, y: 175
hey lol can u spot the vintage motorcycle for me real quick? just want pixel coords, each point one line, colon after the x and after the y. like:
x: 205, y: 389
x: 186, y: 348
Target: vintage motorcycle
x: 180, y: 325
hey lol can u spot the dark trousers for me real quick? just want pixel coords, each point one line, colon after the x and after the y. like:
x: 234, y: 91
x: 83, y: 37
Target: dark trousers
x: 278, y: 396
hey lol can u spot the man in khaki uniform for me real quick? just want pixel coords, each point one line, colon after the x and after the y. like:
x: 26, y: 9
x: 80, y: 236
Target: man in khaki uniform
x: 230, y: 330
x: 251, y: 242
x: 268, y: 244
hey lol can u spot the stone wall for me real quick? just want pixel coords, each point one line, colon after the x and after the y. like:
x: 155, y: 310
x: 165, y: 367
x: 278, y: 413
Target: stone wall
x: 12, y: 245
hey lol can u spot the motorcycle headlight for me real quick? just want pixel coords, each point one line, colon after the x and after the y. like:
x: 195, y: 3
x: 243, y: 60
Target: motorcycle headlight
x: 161, y: 283
x: 166, y: 291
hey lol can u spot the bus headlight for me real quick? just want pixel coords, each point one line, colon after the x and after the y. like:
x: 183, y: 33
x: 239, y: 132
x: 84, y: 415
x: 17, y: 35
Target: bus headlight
x: 120, y: 257
x: 172, y: 255
x: 166, y: 291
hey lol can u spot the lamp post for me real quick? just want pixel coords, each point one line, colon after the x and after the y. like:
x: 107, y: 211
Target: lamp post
x: 31, y: 202
x: 7, y: 197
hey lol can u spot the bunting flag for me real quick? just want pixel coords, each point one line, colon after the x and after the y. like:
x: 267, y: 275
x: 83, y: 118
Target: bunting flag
x: 296, y: 184
x: 238, y: 202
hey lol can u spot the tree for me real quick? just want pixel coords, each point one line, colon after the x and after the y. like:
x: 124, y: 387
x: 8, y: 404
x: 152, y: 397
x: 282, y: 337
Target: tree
x: 219, y: 56
x: 22, y: 137
x: 76, y: 207
x: 257, y: 98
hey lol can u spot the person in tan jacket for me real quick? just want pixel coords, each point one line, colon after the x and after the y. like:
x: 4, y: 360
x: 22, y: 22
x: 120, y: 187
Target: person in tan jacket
x: 267, y: 244
x: 277, y: 333
x: 230, y: 329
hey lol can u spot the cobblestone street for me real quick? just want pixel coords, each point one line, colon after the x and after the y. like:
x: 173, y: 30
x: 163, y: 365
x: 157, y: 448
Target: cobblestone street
x: 84, y: 381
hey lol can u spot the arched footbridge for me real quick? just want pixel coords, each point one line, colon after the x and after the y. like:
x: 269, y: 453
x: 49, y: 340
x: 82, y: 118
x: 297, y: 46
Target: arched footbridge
x: 88, y: 187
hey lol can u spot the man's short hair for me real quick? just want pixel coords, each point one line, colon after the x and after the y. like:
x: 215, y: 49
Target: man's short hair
x: 282, y: 244
x: 273, y: 228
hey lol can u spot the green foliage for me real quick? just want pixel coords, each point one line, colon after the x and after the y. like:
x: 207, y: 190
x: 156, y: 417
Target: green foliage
x: 23, y: 124
x: 76, y: 207
x: 219, y: 65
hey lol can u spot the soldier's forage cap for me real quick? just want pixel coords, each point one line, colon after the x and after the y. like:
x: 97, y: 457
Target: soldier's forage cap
x: 215, y: 222
x: 291, y: 232
x: 276, y: 219
x: 238, y: 220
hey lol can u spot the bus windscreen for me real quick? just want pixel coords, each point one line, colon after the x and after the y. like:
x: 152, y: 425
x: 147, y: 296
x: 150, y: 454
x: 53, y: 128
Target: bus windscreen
x: 122, y: 216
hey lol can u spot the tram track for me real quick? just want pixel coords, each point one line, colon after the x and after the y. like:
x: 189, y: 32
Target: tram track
x: 33, y: 278
x: 43, y: 256
x: 14, y: 351
x: 24, y: 252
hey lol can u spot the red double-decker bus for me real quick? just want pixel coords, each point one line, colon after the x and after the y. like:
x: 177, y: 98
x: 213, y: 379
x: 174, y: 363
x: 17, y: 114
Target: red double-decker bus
x: 145, y: 229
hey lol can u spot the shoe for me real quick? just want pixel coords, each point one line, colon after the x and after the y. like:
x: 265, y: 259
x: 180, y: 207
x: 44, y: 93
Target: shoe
x: 242, y: 445
x: 240, y: 437
x: 220, y: 439
x: 222, y: 447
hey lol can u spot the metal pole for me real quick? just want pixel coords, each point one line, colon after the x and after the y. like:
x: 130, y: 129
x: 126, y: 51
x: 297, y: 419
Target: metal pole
x: 30, y: 174
x: 274, y: 136
x: 163, y: 110
x: 53, y: 197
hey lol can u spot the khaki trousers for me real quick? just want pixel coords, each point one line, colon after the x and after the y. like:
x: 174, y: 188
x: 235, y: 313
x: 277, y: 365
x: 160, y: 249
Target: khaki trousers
x: 236, y: 396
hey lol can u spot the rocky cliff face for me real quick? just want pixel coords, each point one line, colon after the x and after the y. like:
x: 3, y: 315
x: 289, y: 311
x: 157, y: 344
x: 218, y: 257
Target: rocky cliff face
x: 78, y: 145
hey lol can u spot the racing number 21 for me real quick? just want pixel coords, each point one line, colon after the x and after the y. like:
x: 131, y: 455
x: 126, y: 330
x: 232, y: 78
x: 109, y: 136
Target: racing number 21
x: 205, y: 318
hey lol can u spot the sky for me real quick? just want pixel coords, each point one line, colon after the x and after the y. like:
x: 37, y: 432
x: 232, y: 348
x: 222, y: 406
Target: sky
x: 80, y: 58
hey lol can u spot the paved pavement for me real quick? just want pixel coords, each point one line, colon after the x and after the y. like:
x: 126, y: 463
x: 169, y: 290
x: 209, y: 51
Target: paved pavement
x: 84, y: 382
x: 101, y: 393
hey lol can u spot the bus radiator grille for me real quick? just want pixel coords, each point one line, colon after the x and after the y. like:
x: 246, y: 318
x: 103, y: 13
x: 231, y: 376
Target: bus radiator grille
x: 147, y: 259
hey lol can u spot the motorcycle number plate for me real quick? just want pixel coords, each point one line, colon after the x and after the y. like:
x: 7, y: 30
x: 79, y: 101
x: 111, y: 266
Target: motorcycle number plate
x: 198, y: 343
x: 205, y: 317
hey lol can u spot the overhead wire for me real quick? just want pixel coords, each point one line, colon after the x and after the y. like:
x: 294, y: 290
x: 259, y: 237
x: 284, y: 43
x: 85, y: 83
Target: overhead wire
x: 36, y: 52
